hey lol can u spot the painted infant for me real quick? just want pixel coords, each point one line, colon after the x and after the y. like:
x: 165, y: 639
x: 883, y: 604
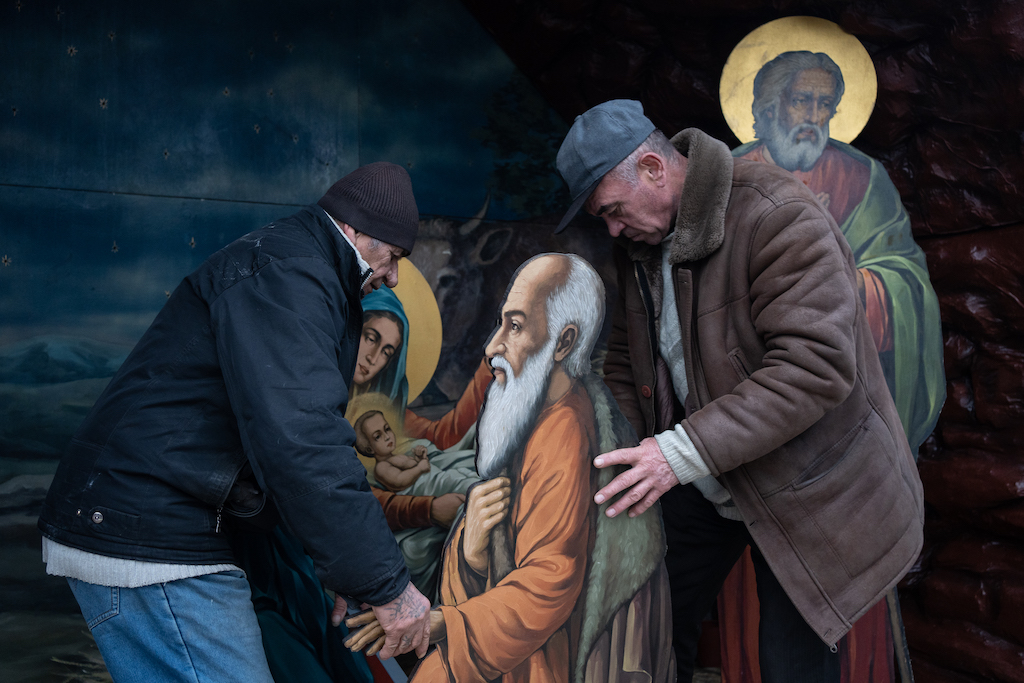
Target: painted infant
x: 375, y: 439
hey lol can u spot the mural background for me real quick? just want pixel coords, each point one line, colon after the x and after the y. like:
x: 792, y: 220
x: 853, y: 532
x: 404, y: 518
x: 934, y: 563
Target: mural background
x: 137, y: 138
x: 424, y: 82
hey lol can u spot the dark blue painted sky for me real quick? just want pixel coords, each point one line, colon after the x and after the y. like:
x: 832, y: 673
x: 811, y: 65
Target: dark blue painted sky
x: 169, y: 129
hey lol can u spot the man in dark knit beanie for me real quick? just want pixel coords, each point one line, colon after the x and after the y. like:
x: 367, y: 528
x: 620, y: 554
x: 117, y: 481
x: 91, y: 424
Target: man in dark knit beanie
x: 374, y: 208
x: 232, y: 406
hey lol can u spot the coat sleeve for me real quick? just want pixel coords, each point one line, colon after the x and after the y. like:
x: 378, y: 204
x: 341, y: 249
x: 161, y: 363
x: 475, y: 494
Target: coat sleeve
x: 803, y: 304
x: 280, y: 335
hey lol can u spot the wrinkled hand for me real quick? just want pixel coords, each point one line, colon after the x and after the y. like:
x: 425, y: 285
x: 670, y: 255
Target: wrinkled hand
x: 405, y: 623
x: 372, y: 634
x: 444, y: 509
x: 487, y: 505
x: 647, y: 479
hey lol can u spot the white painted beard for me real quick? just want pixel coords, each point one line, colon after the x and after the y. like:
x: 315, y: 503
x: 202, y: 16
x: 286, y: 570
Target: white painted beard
x: 510, y: 410
x: 792, y: 154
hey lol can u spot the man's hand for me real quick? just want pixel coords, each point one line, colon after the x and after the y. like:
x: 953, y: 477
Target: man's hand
x: 372, y: 634
x: 405, y: 623
x: 647, y: 479
x: 444, y: 509
x: 488, y: 505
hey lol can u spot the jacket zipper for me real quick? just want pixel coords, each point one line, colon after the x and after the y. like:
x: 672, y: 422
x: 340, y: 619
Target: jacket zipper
x: 695, y: 378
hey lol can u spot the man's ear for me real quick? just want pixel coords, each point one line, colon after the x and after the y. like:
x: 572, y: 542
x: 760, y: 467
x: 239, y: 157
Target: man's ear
x: 652, y: 165
x: 349, y: 231
x: 566, y: 342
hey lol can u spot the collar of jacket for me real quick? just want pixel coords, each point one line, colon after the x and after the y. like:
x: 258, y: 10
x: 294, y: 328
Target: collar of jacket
x: 700, y: 221
x: 365, y: 271
x: 334, y: 242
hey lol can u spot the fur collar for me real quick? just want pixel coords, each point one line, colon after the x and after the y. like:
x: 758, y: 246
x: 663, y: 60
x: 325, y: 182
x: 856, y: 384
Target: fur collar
x: 700, y: 222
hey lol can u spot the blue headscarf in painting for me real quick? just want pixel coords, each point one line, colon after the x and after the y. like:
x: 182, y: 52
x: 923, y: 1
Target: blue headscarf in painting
x: 391, y: 380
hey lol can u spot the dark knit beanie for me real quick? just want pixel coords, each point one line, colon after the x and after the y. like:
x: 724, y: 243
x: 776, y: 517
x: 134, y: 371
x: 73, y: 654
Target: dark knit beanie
x: 376, y: 200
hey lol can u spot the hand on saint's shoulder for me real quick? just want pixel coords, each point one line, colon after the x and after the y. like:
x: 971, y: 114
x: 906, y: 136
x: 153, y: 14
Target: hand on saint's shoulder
x: 649, y: 476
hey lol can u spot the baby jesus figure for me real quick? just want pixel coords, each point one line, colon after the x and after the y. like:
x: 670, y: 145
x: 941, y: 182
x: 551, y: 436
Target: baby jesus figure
x: 394, y: 471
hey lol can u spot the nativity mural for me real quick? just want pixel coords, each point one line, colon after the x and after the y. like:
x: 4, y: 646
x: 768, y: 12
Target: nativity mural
x: 535, y: 583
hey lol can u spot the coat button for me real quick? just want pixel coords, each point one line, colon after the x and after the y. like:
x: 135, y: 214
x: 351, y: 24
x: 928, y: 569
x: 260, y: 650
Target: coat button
x: 646, y: 391
x: 97, y: 517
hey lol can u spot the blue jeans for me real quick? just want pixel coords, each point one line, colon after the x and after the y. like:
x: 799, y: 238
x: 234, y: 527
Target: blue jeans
x: 702, y: 549
x: 197, y: 630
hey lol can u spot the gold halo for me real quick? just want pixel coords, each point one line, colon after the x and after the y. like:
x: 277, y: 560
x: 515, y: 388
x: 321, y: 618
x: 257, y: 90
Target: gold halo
x: 424, y: 326
x: 768, y: 41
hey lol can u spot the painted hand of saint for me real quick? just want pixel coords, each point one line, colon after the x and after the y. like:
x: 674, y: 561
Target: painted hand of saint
x: 487, y: 505
x: 647, y: 479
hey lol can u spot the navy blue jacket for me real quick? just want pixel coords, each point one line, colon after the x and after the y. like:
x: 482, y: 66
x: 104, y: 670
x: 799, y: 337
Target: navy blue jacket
x: 248, y: 363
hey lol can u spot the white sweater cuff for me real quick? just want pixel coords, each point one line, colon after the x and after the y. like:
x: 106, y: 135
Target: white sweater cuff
x: 681, y: 455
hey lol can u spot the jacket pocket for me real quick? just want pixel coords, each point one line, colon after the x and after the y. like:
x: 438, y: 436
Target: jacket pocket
x: 851, y: 508
x: 106, y: 521
x: 739, y: 364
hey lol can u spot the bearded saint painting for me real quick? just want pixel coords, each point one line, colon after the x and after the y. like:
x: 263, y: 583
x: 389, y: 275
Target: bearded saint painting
x: 537, y: 584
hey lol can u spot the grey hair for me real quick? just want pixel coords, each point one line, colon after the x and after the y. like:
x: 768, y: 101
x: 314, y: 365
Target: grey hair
x: 775, y: 76
x: 657, y: 142
x: 577, y: 301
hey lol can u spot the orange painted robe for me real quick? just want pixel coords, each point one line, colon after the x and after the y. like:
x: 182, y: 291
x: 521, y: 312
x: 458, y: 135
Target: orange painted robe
x: 523, y: 628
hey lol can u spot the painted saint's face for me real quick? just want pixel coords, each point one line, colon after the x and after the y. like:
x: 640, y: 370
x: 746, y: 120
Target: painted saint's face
x: 378, y: 432
x: 643, y: 213
x: 522, y: 329
x: 810, y: 98
x: 380, y: 340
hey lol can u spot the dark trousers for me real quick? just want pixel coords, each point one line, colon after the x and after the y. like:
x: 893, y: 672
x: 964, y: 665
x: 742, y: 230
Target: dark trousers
x: 702, y: 549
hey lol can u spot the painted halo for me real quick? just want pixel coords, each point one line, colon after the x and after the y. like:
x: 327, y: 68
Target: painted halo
x: 768, y: 41
x: 424, y: 326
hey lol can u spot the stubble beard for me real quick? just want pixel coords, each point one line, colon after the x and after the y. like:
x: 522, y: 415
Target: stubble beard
x: 792, y: 154
x: 510, y: 411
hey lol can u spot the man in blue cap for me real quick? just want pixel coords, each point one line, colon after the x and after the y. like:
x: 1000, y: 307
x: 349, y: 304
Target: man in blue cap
x: 740, y: 353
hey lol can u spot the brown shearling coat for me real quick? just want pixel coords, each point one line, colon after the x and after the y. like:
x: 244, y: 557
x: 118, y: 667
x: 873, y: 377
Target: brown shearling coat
x: 787, y: 405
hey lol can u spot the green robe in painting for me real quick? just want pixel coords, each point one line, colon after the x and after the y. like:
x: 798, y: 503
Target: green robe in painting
x: 878, y: 231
